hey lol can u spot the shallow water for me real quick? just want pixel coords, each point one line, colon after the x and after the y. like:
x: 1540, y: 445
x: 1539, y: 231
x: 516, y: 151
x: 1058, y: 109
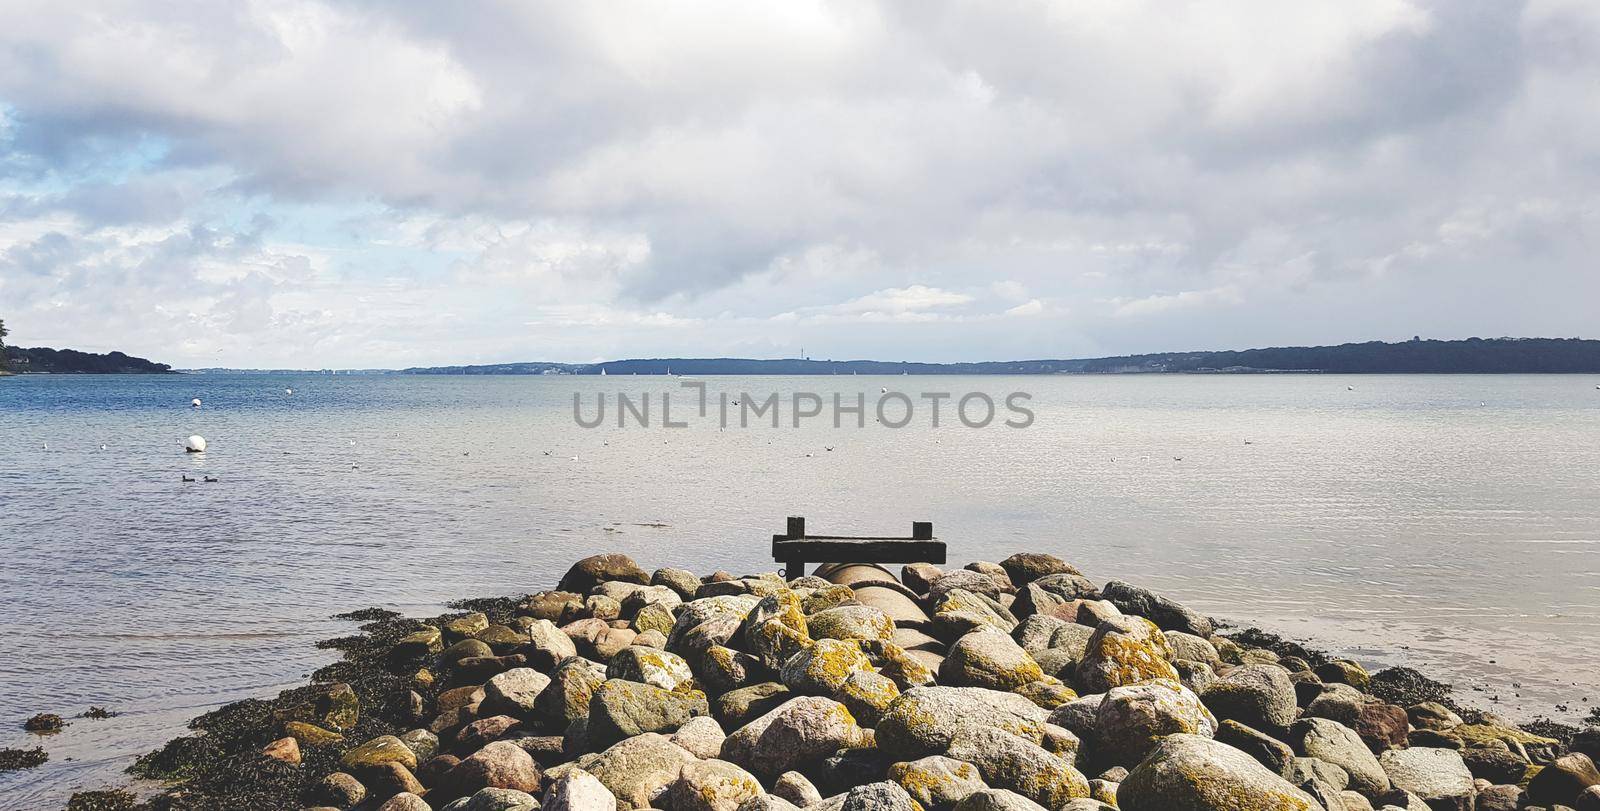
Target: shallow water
x: 1448, y: 522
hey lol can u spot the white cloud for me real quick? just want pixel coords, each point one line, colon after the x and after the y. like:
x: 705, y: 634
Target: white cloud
x: 945, y: 181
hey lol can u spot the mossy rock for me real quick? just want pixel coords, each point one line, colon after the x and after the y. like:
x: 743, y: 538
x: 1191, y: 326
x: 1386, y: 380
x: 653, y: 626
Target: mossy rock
x: 381, y: 750
x: 311, y: 736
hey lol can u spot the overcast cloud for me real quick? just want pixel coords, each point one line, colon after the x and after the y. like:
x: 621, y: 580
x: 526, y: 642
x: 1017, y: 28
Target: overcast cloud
x: 351, y: 184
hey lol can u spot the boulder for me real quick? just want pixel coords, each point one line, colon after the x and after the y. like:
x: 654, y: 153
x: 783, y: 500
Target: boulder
x: 920, y: 576
x: 340, y: 790
x: 547, y: 645
x: 1194, y: 773
x: 867, y: 695
x: 1165, y: 613
x: 1382, y: 726
x: 1338, y: 744
x: 851, y: 622
x: 797, y: 789
x: 822, y: 668
x: 937, y: 782
x: 989, y: 659
x: 1433, y: 715
x: 738, y: 707
x: 1193, y: 648
x: 405, y: 802
x: 1267, y: 750
x: 802, y: 730
x: 636, y: 769
x: 1344, y: 671
x: 882, y: 796
x: 924, y: 720
x: 650, y: 666
x: 622, y: 709
x: 1026, y: 567
x: 701, y: 736
x: 500, y: 799
x: 682, y: 581
x: 1438, y: 776
x: 514, y: 692
x: 711, y: 785
x: 571, y: 688
x: 998, y: 799
x: 729, y: 609
x: 1563, y: 780
x: 1124, y: 650
x: 1012, y: 763
x: 501, y: 764
x: 959, y: 611
x: 376, y: 752
x: 965, y: 580
x: 596, y: 569
x: 558, y: 607
x: 1258, y: 696
x: 1132, y: 720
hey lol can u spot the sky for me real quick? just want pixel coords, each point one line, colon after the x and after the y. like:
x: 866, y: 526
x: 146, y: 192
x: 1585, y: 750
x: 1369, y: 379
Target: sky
x: 351, y: 184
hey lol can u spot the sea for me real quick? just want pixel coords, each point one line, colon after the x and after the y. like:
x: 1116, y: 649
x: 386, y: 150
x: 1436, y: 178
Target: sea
x: 1448, y: 523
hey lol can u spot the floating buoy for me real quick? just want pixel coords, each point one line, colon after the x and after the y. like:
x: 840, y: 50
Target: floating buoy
x: 195, y: 402
x: 195, y: 444
x: 288, y: 391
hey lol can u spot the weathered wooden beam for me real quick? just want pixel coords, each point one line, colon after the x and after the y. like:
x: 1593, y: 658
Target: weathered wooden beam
x: 858, y: 550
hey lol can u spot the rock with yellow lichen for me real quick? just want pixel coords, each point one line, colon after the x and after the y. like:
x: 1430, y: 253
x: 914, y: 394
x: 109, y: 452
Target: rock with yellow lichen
x: 1194, y: 773
x: 1124, y: 650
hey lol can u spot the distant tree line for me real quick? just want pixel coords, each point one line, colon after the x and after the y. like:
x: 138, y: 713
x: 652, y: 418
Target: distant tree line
x: 1470, y: 356
x: 43, y: 360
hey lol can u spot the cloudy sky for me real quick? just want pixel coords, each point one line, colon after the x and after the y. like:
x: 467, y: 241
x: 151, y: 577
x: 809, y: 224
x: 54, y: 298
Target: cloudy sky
x: 349, y: 184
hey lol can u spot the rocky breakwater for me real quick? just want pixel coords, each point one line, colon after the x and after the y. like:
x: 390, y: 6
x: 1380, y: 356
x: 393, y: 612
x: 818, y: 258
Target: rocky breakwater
x: 1017, y: 685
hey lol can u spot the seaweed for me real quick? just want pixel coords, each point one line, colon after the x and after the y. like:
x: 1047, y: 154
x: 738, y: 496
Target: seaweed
x: 1256, y: 638
x: 1407, y: 687
x: 13, y: 759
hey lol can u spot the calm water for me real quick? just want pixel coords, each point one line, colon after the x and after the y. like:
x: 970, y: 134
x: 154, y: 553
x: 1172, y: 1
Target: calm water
x: 1448, y: 522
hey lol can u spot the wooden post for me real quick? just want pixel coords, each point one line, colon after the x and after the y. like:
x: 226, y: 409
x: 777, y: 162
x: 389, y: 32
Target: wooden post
x: 797, y: 530
x: 921, y: 530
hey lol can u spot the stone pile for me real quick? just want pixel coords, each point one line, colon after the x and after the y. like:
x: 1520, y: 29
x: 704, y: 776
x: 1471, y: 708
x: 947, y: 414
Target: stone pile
x: 1017, y: 685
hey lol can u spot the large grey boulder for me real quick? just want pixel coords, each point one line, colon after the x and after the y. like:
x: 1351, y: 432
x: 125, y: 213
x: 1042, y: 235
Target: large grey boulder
x: 1258, y: 696
x: 1166, y: 613
x: 884, y: 796
x: 1438, y: 776
x: 578, y: 790
x: 1192, y: 773
x: 1338, y: 744
x: 1124, y: 650
x: 596, y: 569
x: 851, y: 622
x: 990, y: 659
x: 924, y: 720
x: 621, y: 709
x: 712, y: 785
x: 1010, y: 762
x: 635, y: 769
x: 799, y: 732
x: 937, y: 782
x: 1131, y: 720
x: 661, y: 668
x: 997, y: 799
x: 514, y: 693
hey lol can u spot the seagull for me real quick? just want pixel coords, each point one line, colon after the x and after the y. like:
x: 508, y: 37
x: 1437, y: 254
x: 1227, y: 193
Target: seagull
x: 195, y: 402
x: 1248, y: 442
x: 808, y: 456
x: 288, y: 391
x: 102, y: 446
x: 574, y: 458
x: 883, y: 389
x: 1349, y: 388
x: 47, y: 446
x: 827, y: 447
x: 1177, y: 458
x: 186, y: 477
x: 546, y: 453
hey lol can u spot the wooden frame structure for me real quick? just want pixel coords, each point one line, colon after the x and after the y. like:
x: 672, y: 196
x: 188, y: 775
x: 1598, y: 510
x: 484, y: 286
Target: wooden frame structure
x: 794, y: 548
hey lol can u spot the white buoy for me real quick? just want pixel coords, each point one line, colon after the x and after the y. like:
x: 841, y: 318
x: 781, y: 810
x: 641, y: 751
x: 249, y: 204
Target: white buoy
x: 288, y: 391
x: 195, y: 402
x: 195, y: 444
